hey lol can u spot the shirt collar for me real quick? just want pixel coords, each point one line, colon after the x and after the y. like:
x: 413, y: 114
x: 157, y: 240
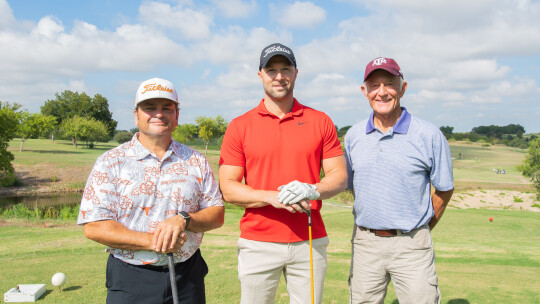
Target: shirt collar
x: 401, y: 126
x: 296, y: 110
x: 141, y: 151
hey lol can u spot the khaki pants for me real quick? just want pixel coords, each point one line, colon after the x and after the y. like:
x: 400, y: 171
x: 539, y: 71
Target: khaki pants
x: 260, y: 265
x: 407, y: 259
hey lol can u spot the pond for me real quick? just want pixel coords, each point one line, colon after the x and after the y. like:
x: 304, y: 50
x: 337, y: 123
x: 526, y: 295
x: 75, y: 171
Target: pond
x: 56, y: 201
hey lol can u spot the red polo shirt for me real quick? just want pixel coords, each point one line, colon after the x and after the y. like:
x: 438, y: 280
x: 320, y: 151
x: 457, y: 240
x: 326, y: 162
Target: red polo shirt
x: 275, y: 152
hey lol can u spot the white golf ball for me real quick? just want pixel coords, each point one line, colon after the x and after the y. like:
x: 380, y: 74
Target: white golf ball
x: 58, y: 279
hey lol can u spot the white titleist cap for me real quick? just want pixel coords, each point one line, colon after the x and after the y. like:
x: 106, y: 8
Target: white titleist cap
x: 156, y: 88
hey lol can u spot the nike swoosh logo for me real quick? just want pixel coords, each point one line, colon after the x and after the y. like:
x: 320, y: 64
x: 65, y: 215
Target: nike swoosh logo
x: 301, y: 123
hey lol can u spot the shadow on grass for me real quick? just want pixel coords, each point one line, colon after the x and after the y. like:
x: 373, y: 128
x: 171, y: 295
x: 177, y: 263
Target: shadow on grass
x: 453, y: 301
x: 27, y: 178
x: 71, y: 288
x: 99, y: 147
x: 57, y: 152
x: 49, y: 291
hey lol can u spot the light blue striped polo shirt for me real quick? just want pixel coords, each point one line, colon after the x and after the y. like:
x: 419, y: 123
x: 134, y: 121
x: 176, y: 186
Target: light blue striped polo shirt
x: 391, y: 173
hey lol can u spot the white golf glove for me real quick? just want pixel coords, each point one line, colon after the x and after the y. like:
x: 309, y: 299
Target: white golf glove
x: 296, y: 191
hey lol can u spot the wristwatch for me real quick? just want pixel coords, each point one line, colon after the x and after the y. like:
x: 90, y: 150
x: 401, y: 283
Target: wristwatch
x: 186, y: 217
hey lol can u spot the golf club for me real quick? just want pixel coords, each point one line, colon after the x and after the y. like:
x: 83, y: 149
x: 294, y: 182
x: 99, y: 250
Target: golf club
x: 172, y: 273
x: 308, y: 211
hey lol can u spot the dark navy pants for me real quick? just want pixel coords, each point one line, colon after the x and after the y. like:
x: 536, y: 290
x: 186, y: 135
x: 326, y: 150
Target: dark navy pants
x: 132, y: 284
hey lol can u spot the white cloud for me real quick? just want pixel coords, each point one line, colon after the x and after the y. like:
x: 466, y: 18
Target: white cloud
x: 299, y: 14
x: 48, y: 27
x: 235, y: 8
x: 458, y: 56
x: 6, y: 14
x: 191, y: 23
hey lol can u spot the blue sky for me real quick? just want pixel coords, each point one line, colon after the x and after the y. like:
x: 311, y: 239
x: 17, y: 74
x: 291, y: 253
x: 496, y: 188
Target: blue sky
x: 468, y: 63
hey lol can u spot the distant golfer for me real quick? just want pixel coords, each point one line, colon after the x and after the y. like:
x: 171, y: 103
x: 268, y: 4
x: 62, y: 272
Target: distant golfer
x: 393, y: 159
x: 280, y: 143
x: 149, y: 197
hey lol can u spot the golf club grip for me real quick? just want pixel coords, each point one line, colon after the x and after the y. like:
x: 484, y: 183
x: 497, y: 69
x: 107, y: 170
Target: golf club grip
x: 172, y: 273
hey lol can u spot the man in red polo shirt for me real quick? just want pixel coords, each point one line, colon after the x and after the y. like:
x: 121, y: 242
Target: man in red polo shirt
x: 280, y: 143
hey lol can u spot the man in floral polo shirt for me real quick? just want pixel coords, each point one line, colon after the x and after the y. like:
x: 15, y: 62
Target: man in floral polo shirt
x: 149, y: 197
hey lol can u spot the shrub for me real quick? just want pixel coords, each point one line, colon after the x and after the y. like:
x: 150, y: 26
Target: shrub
x: 123, y: 136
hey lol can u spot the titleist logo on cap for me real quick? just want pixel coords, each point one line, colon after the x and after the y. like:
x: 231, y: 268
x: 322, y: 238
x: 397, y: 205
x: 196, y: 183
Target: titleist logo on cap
x: 154, y: 87
x: 276, y: 49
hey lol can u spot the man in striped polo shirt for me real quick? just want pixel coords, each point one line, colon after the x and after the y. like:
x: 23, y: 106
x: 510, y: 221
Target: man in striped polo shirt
x: 393, y: 159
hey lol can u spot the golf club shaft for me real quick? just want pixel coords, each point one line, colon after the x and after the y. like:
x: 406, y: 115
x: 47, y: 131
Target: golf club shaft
x: 172, y: 273
x: 308, y: 211
x: 311, y: 261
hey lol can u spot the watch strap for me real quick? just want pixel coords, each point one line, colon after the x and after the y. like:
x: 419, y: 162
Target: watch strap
x: 186, y: 217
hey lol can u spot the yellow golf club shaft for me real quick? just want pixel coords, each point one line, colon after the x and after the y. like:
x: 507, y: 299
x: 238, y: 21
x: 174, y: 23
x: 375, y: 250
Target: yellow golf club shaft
x: 311, y: 266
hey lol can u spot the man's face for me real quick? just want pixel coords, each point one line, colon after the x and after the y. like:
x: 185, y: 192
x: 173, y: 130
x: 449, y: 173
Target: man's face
x: 278, y: 78
x: 156, y: 117
x: 383, y: 92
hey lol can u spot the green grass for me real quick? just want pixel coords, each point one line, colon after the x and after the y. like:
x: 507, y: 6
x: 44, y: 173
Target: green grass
x: 61, y: 154
x: 478, y: 261
x: 474, y: 170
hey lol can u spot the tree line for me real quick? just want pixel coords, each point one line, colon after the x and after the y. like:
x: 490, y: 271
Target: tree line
x: 509, y: 135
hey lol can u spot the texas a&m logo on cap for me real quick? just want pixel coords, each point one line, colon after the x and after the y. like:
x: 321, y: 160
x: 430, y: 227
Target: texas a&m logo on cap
x: 379, y: 61
x: 383, y: 63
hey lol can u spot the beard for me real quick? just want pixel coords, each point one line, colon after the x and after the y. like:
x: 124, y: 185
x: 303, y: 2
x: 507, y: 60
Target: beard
x: 279, y: 94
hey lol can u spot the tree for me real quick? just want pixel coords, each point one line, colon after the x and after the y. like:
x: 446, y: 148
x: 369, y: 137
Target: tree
x: 86, y: 129
x: 69, y: 104
x: 33, y: 125
x: 210, y: 128
x: 8, y: 125
x: 185, y: 132
x: 342, y: 131
x: 447, y: 131
x: 531, y: 165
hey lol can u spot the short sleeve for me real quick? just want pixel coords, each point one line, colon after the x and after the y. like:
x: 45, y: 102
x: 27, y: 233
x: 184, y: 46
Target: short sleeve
x: 331, y: 143
x: 96, y: 204
x: 232, y: 152
x: 350, y: 173
x: 211, y: 196
x: 442, y: 176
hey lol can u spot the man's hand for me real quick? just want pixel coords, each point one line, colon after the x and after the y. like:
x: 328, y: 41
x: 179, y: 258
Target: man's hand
x: 291, y: 208
x: 169, y: 235
x: 296, y: 191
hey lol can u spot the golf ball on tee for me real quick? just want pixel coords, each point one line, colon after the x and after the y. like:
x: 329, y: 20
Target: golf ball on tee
x: 58, y: 279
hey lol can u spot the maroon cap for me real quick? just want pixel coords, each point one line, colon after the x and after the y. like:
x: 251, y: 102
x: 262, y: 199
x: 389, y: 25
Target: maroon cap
x: 387, y: 64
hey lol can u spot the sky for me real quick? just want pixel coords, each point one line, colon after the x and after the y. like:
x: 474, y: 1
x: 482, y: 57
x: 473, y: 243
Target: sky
x: 467, y: 63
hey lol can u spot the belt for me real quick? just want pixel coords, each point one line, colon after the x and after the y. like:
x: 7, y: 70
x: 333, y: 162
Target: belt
x: 384, y: 233
x: 154, y: 267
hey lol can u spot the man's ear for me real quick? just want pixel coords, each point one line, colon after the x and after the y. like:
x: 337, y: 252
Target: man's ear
x: 403, y: 89
x: 364, y: 90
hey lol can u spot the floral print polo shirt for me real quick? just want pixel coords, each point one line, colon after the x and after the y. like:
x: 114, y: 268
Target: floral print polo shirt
x: 132, y: 186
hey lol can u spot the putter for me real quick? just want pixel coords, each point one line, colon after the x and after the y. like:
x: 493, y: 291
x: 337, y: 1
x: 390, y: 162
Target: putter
x: 172, y: 273
x: 308, y: 211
